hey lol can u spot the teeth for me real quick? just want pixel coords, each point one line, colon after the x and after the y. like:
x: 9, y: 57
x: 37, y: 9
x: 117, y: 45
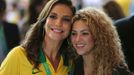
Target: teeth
x: 57, y: 30
x: 80, y: 45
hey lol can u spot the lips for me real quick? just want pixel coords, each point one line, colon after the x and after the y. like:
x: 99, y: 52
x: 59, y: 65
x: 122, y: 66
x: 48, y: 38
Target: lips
x: 80, y: 45
x: 57, y: 30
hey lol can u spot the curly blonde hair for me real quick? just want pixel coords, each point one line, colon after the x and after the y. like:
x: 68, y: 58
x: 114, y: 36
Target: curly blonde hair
x: 107, y: 53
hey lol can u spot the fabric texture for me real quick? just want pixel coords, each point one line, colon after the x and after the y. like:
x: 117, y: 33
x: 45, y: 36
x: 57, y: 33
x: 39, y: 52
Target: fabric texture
x: 17, y: 63
x: 79, y: 70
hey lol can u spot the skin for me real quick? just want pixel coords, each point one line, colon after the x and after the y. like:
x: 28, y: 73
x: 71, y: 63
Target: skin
x: 83, y: 43
x: 81, y: 38
x: 57, y: 27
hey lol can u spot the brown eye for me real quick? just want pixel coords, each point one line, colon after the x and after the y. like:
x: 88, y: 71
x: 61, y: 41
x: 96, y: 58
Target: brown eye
x: 85, y: 33
x: 52, y: 16
x: 67, y: 19
x: 73, y: 33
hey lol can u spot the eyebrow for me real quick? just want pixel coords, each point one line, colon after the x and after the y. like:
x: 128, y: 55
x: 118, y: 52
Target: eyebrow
x: 81, y: 30
x: 85, y: 30
x: 53, y: 13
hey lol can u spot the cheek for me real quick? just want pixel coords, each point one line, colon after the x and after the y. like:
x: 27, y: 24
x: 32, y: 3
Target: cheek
x: 47, y: 25
x: 90, y: 41
x: 48, y: 22
x: 72, y: 39
x: 67, y: 29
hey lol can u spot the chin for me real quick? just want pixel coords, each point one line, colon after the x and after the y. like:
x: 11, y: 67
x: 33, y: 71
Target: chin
x: 80, y: 53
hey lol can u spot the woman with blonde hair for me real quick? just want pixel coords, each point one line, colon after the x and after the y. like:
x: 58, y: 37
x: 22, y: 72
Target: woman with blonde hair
x: 95, y: 39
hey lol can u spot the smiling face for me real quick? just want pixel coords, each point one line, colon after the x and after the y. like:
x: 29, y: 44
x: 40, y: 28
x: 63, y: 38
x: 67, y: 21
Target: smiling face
x: 58, y: 22
x: 81, y: 37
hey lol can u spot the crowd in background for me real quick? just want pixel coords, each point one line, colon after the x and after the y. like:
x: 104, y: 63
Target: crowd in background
x: 24, y: 13
x: 20, y: 11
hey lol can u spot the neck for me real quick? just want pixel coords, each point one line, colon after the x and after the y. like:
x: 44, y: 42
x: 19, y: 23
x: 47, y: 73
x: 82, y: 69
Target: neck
x: 51, y: 49
x: 51, y: 53
x: 87, y: 59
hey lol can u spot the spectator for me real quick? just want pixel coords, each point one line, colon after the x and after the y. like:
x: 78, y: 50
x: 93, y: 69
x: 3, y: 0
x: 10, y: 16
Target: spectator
x: 113, y: 9
x: 125, y: 28
x: 9, y: 33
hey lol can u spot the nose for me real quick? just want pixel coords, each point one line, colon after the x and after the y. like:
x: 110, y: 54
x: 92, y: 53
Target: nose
x: 58, y: 22
x: 78, y: 38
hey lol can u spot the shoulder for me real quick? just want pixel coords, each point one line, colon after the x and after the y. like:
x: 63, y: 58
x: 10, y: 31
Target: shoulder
x: 16, y: 51
x: 132, y: 19
x: 15, y: 55
x: 9, y: 24
x: 125, y: 21
x: 121, y: 71
x: 15, y: 62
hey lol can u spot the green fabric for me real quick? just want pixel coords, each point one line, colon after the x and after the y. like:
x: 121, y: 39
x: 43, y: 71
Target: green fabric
x: 46, y: 67
x: 3, y: 45
x: 43, y: 60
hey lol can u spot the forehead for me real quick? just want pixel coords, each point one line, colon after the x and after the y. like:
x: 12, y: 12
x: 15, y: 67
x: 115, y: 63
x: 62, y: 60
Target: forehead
x: 62, y: 9
x: 80, y: 24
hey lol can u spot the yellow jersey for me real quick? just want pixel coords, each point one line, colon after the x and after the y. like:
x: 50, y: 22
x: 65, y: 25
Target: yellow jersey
x: 16, y: 63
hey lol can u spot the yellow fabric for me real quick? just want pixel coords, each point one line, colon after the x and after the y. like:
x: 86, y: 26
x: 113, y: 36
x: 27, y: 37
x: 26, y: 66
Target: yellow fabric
x: 125, y: 5
x: 16, y: 63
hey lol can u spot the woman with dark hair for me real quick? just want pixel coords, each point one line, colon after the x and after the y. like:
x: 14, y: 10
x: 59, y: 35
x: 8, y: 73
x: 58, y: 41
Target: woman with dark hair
x: 113, y: 9
x: 94, y: 37
x: 45, y: 48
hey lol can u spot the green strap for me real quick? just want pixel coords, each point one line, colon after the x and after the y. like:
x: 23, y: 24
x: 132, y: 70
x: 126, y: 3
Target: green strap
x: 70, y: 69
x: 48, y: 72
x: 43, y: 60
x: 46, y: 67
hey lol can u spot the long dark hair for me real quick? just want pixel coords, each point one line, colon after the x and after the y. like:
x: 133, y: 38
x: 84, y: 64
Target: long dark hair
x: 35, y: 36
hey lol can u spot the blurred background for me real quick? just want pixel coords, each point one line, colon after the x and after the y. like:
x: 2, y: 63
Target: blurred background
x: 25, y: 12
